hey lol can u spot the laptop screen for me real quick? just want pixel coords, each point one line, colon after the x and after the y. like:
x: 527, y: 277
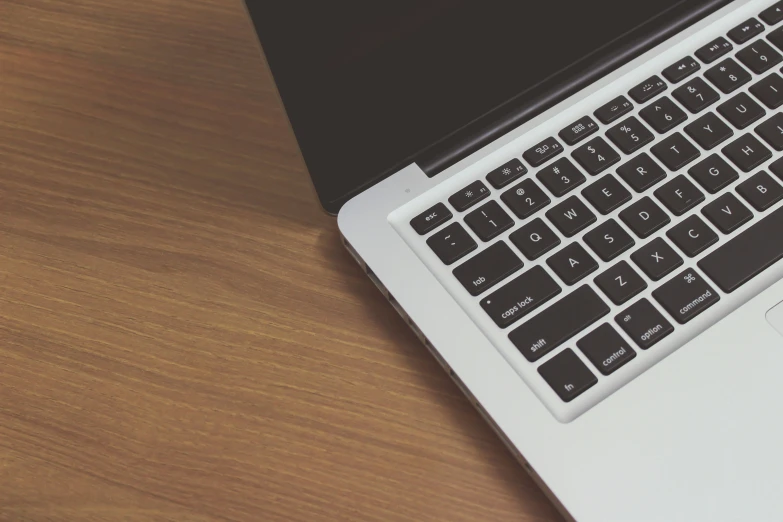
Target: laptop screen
x: 368, y: 86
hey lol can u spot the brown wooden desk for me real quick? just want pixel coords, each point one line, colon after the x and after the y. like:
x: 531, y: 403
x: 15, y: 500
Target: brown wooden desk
x: 181, y: 335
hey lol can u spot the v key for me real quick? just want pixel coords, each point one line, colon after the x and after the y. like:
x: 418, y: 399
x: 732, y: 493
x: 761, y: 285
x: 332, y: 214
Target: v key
x: 727, y: 213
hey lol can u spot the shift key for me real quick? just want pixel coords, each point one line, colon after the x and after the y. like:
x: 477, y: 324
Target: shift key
x: 521, y: 296
x: 558, y: 323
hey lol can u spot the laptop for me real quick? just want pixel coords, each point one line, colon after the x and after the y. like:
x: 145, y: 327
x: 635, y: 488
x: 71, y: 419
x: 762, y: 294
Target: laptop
x: 578, y: 208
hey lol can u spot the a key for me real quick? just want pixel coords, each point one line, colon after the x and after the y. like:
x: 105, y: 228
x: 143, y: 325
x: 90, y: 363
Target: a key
x: 614, y: 109
x: 641, y: 172
x: 487, y: 268
x: 747, y: 152
x: 469, y: 196
x: 761, y: 191
x: 606, y: 349
x: 534, y: 239
x: 692, y: 236
x: 431, y: 219
x: 595, y: 156
x: 489, y: 220
x: 679, y: 195
x: 579, y: 130
x: 686, y: 295
x: 663, y: 115
x: 525, y: 199
x: 657, y: 259
x: 451, y: 243
x: 648, y: 89
x: 560, y: 177
x: 620, y: 283
x: 759, y: 57
x: 544, y: 151
x: 772, y: 14
x: 608, y: 240
x: 708, y: 131
x: 695, y: 95
x: 607, y: 194
x: 741, y: 110
x: 769, y: 90
x: 681, y: 69
x: 554, y: 325
x: 571, y: 216
x: 644, y: 217
x: 567, y: 375
x: 572, y: 264
x: 644, y: 324
x: 727, y: 213
x: 776, y: 37
x: 520, y: 296
x: 713, y: 173
x: 714, y: 50
x: 630, y: 135
x: 772, y: 131
x: 506, y: 173
x: 747, y: 255
x: 675, y: 151
x: 746, y: 30
x: 776, y: 167
x: 728, y: 75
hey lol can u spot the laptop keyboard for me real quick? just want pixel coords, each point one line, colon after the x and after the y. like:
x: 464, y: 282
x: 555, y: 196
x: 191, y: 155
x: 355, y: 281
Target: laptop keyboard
x: 660, y: 192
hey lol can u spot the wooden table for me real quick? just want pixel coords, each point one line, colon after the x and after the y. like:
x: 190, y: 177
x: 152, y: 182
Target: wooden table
x: 182, y: 336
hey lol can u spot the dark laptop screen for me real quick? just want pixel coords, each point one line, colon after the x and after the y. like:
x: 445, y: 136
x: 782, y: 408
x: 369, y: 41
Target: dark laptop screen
x: 369, y: 85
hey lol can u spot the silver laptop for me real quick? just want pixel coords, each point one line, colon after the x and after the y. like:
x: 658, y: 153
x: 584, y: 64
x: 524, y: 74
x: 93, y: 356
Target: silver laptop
x: 578, y: 208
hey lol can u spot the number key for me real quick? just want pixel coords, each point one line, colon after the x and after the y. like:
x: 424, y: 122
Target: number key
x: 728, y: 75
x: 630, y: 135
x: 489, y: 220
x: 695, y: 95
x: 596, y: 156
x: 451, y: 243
x: 759, y: 57
x: 525, y: 199
x: 663, y: 115
x: 560, y: 177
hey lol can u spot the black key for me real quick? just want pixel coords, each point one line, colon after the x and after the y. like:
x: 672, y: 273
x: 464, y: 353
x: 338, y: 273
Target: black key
x: 692, y: 236
x: 613, y: 110
x: 663, y: 115
x: 741, y: 110
x: 747, y: 255
x: 489, y: 220
x: 759, y: 57
x: 675, y: 151
x: 696, y: 95
x: 657, y: 259
x: 713, y: 173
x: 686, y: 296
x: 773, y: 14
x: 630, y: 135
x: 761, y: 191
x: 486, y: 268
x: 681, y: 69
x: 607, y: 194
x: 776, y: 37
x: 571, y: 216
x: 595, y: 156
x: 525, y: 199
x: 747, y: 152
x: 644, y: 324
x: 519, y: 297
x: 727, y: 213
x: 577, y: 131
x: 772, y: 131
x: 506, y: 173
x: 746, y: 30
x: 558, y: 323
x: 679, y: 195
x: 535, y: 239
x: 644, y: 217
x: 561, y: 177
x: 648, y: 89
x: 769, y: 90
x: 606, y: 349
x: 469, y: 196
x: 708, y: 131
x: 567, y: 375
x: 609, y: 240
x: 777, y: 168
x: 539, y: 154
x: 714, y: 50
x: 572, y: 263
x: 620, y: 283
x: 451, y: 243
x: 728, y: 75
x: 641, y: 172
x: 431, y: 219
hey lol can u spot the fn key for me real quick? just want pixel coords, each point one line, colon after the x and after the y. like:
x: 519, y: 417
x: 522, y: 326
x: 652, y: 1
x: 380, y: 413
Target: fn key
x: 567, y: 375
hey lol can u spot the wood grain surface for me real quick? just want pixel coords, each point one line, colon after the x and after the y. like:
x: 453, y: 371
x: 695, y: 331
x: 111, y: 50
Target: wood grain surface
x: 182, y: 336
